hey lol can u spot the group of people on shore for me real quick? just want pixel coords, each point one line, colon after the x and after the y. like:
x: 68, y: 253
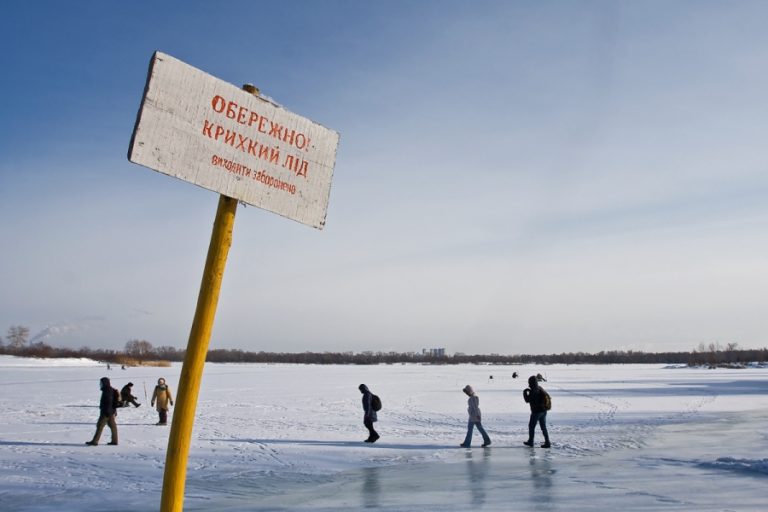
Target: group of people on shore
x: 111, y: 400
x: 534, y: 395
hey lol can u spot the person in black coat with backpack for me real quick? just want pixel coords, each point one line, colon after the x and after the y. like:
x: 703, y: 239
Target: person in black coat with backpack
x: 369, y: 413
x: 537, y: 398
x: 107, y: 412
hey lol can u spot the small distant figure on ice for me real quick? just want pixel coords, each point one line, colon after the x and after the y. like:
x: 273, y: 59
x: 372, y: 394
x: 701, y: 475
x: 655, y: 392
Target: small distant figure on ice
x: 108, y: 367
x: 371, y: 404
x: 107, y: 412
x: 540, y: 403
x: 162, y: 395
x: 514, y: 375
x: 474, y: 418
x: 122, y: 367
x: 127, y: 395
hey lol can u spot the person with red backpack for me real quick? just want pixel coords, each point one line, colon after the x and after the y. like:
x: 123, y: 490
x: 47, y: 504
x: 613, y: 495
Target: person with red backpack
x: 540, y: 403
x: 107, y: 412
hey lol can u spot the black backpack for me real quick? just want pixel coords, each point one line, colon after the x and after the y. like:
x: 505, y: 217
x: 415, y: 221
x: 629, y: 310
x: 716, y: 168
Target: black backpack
x: 376, y: 403
x: 117, y: 400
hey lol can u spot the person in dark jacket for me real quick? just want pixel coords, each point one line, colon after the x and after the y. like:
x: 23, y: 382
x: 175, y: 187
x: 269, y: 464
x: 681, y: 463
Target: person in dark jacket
x: 107, y: 412
x: 534, y: 396
x: 127, y: 395
x: 369, y: 415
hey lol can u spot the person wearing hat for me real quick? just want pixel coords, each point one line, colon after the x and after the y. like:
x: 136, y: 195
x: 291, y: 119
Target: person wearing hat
x: 474, y: 418
x: 107, y: 413
x: 127, y: 395
x: 534, y: 395
x: 369, y: 413
x: 162, y: 395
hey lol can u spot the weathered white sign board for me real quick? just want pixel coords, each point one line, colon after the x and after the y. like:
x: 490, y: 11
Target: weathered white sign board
x: 203, y: 130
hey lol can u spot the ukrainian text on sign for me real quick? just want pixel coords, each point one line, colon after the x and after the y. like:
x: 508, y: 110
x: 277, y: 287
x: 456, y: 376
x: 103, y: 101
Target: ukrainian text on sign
x: 203, y: 130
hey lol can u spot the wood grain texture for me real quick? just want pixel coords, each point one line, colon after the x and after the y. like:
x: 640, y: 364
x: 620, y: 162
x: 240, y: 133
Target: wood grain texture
x: 203, y: 130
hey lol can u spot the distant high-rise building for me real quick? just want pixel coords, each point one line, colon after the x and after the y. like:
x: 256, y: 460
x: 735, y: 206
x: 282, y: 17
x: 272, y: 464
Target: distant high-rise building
x: 433, y: 352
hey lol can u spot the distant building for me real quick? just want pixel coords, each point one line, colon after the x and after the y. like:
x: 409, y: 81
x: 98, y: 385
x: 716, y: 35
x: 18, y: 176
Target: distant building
x: 433, y: 352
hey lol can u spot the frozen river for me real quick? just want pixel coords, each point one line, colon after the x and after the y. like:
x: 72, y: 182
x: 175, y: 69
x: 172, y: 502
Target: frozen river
x: 289, y: 437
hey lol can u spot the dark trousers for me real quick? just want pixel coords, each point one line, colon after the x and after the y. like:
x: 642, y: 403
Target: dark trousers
x: 163, y: 415
x: 106, y: 420
x: 541, y: 419
x: 372, y: 434
x: 131, y: 400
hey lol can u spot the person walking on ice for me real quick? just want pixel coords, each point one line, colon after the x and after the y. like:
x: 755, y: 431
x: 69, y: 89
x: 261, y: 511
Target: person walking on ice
x: 162, y: 395
x: 474, y: 418
x: 107, y: 412
x: 540, y: 403
x: 369, y: 413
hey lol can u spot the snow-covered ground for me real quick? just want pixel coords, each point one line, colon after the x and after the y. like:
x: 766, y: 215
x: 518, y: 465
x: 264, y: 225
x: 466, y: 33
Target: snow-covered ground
x: 274, y: 437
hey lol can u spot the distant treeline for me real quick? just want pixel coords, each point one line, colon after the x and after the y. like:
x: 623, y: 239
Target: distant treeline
x: 693, y: 358
x: 141, y: 352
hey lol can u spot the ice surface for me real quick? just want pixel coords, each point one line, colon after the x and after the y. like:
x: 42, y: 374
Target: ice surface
x: 289, y: 437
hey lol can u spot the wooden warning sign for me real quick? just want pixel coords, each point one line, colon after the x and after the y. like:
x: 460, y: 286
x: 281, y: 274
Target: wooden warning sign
x: 203, y: 130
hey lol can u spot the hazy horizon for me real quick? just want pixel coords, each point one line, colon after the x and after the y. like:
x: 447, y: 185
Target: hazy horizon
x: 512, y: 177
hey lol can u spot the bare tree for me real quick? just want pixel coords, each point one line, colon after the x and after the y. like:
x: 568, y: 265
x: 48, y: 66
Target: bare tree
x: 169, y: 353
x: 17, y: 336
x: 138, y: 348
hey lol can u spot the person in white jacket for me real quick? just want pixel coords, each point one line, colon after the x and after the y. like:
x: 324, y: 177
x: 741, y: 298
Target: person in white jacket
x: 474, y: 418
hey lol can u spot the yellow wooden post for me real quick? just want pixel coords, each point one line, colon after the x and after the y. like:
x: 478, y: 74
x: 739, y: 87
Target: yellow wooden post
x: 175, y: 474
x: 174, y: 478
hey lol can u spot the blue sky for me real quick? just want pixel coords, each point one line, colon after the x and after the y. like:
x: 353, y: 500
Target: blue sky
x: 512, y: 176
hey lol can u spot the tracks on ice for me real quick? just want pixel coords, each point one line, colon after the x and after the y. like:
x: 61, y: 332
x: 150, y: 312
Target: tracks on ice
x: 608, y: 429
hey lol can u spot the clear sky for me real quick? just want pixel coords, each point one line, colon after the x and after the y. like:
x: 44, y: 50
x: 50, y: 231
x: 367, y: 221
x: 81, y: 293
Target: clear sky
x: 512, y: 176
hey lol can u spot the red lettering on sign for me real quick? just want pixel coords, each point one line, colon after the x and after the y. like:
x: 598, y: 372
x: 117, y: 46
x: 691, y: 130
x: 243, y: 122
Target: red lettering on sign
x: 303, y: 169
x: 252, y: 144
x: 275, y: 130
x: 241, y: 113
x: 231, y: 106
x: 207, y: 128
x: 246, y: 117
x: 218, y: 100
x: 298, y: 166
